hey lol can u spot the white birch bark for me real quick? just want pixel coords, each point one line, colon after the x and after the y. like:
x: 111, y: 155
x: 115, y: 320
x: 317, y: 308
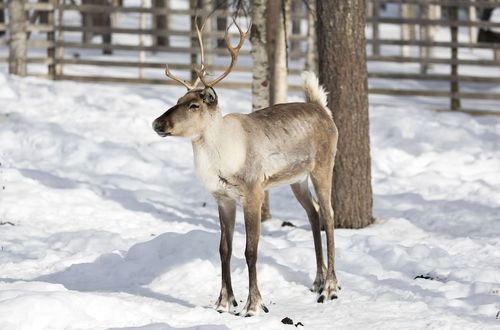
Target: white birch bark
x: 407, y: 30
x: 18, y: 37
x: 260, y: 71
x: 312, y: 47
x: 280, y: 79
x: 208, y: 41
x: 260, y: 67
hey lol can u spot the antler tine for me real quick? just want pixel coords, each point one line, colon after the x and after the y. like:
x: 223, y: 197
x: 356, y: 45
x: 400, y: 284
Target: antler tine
x: 170, y: 75
x: 200, y: 72
x: 234, y: 51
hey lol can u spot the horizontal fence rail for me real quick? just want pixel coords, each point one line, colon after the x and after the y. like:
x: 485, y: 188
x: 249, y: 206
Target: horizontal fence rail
x: 429, y: 50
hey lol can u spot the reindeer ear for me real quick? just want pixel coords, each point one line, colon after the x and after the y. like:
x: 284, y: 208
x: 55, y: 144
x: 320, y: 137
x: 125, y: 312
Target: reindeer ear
x: 209, y: 97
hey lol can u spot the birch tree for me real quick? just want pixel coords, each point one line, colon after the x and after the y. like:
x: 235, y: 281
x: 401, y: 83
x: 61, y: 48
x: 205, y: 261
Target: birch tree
x: 18, y: 37
x: 277, y: 51
x: 312, y: 48
x: 260, y: 70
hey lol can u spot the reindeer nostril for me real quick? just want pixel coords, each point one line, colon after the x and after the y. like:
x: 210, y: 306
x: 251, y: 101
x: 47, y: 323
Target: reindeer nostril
x: 158, y: 125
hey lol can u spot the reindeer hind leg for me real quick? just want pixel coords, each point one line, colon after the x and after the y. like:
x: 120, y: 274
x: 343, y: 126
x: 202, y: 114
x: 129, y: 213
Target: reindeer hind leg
x: 303, y: 195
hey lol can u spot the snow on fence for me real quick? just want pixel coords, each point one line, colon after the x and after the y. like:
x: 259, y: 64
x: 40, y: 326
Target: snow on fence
x: 423, y: 41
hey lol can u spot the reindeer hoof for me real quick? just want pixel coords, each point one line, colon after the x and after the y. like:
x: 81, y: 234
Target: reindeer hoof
x: 328, y: 294
x: 221, y: 308
x: 247, y: 312
x: 329, y: 291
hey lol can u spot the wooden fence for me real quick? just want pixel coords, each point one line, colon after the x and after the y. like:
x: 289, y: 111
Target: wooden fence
x: 430, y: 49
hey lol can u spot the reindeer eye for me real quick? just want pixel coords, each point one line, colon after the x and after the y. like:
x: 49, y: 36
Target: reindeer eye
x: 194, y: 106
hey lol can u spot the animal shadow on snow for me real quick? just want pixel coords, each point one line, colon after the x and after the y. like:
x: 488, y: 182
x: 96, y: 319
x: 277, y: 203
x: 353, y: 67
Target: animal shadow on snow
x: 164, y: 326
x: 182, y: 265
x: 141, y: 265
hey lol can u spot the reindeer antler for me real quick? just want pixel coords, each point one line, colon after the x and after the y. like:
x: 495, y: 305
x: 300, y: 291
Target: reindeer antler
x: 195, y: 84
x: 234, y: 51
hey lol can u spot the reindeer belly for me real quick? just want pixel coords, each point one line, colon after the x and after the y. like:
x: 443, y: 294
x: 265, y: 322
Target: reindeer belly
x: 281, y: 170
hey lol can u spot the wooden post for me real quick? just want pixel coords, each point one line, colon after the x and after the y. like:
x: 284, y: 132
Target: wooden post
x: 375, y: 31
x: 407, y: 30
x: 142, y: 26
x: 425, y: 36
x: 193, y: 5
x: 51, y: 37
x: 60, y: 38
x: 18, y: 38
x: 472, y: 18
x: 454, y: 88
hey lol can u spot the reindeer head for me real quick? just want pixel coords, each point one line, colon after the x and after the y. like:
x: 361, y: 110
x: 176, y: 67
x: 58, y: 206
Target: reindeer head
x: 194, y: 111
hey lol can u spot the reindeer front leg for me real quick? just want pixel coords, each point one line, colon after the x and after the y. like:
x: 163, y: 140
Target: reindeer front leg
x: 227, y: 213
x: 252, y: 204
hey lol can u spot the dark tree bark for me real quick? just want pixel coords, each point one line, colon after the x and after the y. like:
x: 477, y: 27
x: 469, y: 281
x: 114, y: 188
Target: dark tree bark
x: 343, y: 72
x: 160, y: 22
x: 2, y: 19
x: 90, y: 19
x: 221, y: 21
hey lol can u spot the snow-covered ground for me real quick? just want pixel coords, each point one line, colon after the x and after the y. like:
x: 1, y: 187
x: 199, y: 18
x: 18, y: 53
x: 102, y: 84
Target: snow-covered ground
x: 105, y: 226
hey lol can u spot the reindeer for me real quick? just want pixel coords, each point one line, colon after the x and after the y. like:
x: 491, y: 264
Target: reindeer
x: 239, y: 156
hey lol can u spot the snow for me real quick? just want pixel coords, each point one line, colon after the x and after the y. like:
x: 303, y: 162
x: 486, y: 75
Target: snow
x: 113, y: 230
x: 103, y: 225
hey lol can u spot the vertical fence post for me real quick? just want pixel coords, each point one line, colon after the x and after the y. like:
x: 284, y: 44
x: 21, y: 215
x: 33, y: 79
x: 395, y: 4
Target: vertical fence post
x: 142, y: 26
x: 454, y: 88
x: 407, y: 30
x: 60, y: 38
x: 193, y: 5
x: 18, y: 38
x: 375, y: 13
x: 51, y: 37
x: 424, y: 51
x: 472, y: 13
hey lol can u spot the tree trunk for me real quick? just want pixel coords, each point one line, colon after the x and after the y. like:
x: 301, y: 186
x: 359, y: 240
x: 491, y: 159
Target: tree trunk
x: 2, y: 18
x: 343, y: 72
x: 193, y: 5
x: 221, y: 21
x: 96, y: 19
x: 277, y: 51
x: 208, y: 41
x: 18, y: 37
x: 260, y: 67
x: 454, y: 88
x: 160, y: 22
x: 260, y: 71
x: 297, y: 10
x: 407, y: 30
x: 312, y: 46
